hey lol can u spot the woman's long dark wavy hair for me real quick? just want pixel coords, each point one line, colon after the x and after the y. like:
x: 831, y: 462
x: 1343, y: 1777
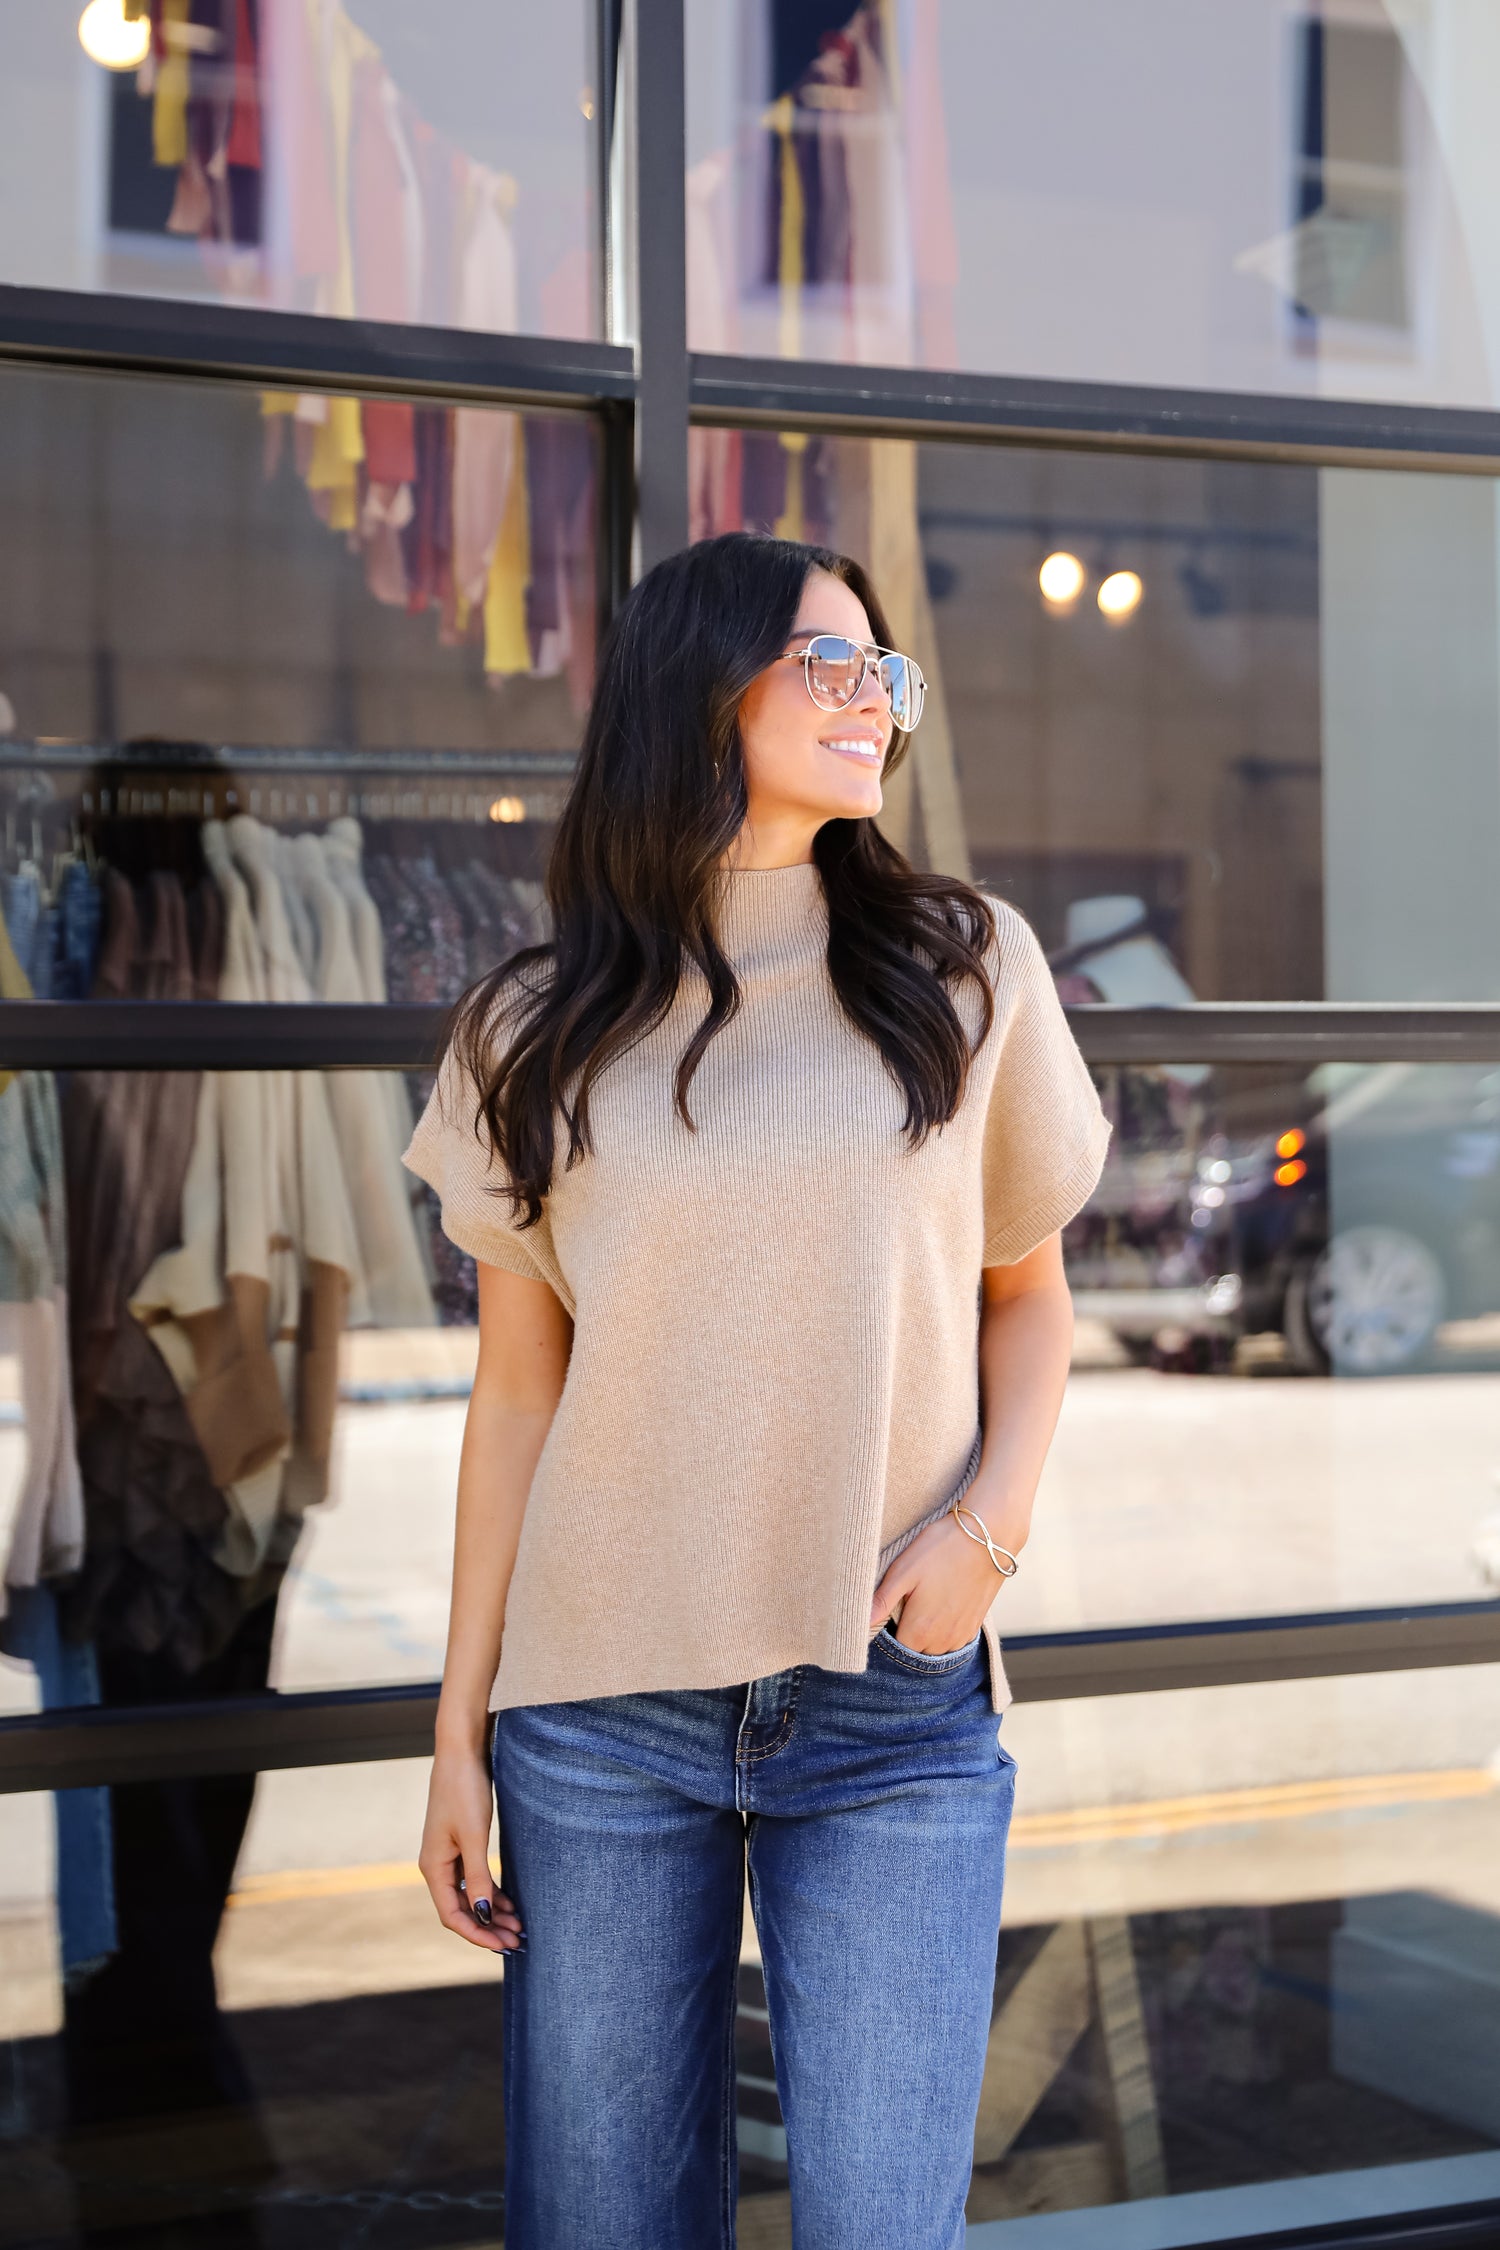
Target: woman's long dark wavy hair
x: 657, y: 801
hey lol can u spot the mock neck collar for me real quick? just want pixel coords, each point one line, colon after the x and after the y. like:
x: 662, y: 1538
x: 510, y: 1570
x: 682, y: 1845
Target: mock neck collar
x: 777, y: 906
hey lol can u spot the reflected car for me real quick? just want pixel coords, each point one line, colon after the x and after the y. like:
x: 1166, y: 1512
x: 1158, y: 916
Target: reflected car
x: 1366, y: 1221
x: 1136, y: 1264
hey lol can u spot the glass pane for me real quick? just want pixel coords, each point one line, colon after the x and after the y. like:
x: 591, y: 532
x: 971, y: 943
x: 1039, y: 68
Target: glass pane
x: 379, y: 163
x: 234, y: 623
x: 224, y: 1466
x: 1248, y: 711
x: 1255, y: 1232
x: 235, y: 1352
x: 1251, y: 196
x: 1247, y: 1956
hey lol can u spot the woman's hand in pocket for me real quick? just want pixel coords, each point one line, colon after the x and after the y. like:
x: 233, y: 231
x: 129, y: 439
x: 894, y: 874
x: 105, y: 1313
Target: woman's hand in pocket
x: 455, y: 1854
x: 940, y: 1589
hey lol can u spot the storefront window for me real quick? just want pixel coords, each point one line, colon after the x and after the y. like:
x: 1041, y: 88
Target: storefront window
x: 349, y: 638
x: 369, y: 162
x: 236, y: 1350
x: 1249, y: 197
x: 1246, y: 712
x: 291, y: 689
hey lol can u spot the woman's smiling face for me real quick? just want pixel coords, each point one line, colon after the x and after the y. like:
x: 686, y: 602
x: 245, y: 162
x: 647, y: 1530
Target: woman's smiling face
x: 804, y: 765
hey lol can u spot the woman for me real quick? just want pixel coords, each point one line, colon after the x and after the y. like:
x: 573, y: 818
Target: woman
x: 763, y: 1160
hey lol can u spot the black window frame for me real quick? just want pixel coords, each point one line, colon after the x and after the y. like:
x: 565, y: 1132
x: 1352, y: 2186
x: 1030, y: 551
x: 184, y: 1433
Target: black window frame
x: 645, y: 391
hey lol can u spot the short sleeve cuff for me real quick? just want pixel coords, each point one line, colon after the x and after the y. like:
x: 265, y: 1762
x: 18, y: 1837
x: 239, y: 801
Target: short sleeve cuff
x: 492, y: 1248
x: 492, y: 1245
x: 1025, y: 1230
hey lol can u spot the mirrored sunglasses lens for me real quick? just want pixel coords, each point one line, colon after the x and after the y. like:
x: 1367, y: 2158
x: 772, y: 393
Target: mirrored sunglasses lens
x: 902, y: 683
x: 834, y: 670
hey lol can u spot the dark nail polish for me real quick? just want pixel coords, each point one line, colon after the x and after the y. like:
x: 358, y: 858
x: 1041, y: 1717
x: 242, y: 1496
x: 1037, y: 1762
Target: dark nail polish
x: 482, y: 1912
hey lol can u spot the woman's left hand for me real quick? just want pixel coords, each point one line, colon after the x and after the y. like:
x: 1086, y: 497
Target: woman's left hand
x: 943, y: 1585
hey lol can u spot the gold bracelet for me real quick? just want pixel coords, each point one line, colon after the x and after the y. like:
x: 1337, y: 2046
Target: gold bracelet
x: 981, y: 1538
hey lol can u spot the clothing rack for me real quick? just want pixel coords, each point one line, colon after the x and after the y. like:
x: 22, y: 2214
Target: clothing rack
x: 193, y: 782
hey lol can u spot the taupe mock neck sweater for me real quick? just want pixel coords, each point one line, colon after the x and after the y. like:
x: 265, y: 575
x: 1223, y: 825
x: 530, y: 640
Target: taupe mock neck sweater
x: 774, y: 1376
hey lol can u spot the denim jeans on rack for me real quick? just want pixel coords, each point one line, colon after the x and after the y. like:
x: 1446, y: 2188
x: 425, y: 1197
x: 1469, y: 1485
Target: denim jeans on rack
x: 875, y: 1808
x: 68, y: 1679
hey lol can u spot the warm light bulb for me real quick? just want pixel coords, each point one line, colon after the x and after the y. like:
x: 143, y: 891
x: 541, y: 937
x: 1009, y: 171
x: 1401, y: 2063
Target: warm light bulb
x: 108, y: 37
x: 508, y: 809
x: 1120, y: 593
x: 1061, y: 578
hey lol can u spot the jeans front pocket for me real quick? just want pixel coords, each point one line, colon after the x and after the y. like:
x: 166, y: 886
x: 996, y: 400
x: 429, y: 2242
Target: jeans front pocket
x: 924, y: 1660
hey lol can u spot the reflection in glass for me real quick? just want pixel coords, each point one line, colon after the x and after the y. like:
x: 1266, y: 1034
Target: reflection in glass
x: 1153, y: 775
x: 1222, y: 768
x: 1238, y: 198
x: 205, y: 564
x: 355, y: 161
x: 1255, y: 1227
x: 1248, y: 1944
x: 312, y: 669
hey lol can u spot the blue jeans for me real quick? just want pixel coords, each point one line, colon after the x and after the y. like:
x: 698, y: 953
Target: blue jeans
x: 874, y: 1807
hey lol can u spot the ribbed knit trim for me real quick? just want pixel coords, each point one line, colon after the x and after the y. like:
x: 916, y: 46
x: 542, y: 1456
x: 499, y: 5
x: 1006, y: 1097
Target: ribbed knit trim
x: 782, y: 909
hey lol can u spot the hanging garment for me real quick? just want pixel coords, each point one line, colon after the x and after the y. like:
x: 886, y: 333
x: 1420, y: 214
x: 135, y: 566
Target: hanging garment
x: 484, y: 440
x: 381, y: 194
x: 213, y: 1302
x: 360, y: 1111
x: 506, y: 646
x: 930, y: 187
x: 713, y: 455
x: 297, y: 102
x: 67, y: 1677
x: 559, y: 481
x: 446, y: 956
x: 435, y: 172
x: 332, y: 473
x: 425, y: 957
x: 252, y: 1333
x: 244, y: 149
x: 14, y: 983
x: 300, y: 921
x: 131, y: 1132
x: 427, y: 541
x: 29, y: 922
x: 411, y: 969
x: 169, y: 138
x: 343, y: 855
x: 325, y: 1271
x: 153, y: 1517
x: 484, y: 940
x: 344, y: 48
x: 76, y: 933
x: 880, y: 243
x: 44, y: 1535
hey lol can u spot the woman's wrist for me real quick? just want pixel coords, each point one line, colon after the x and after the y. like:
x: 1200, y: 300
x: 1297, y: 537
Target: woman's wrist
x: 461, y: 1730
x: 1006, y: 1518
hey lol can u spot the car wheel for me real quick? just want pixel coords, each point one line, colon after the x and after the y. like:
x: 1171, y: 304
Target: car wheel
x: 1368, y: 1304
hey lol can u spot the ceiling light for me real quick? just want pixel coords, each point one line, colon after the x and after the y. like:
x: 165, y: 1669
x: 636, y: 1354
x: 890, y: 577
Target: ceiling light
x: 1061, y: 579
x: 1120, y: 594
x: 109, y: 37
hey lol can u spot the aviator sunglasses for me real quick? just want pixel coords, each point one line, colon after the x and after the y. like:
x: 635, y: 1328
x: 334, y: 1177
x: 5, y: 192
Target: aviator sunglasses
x: 835, y: 670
